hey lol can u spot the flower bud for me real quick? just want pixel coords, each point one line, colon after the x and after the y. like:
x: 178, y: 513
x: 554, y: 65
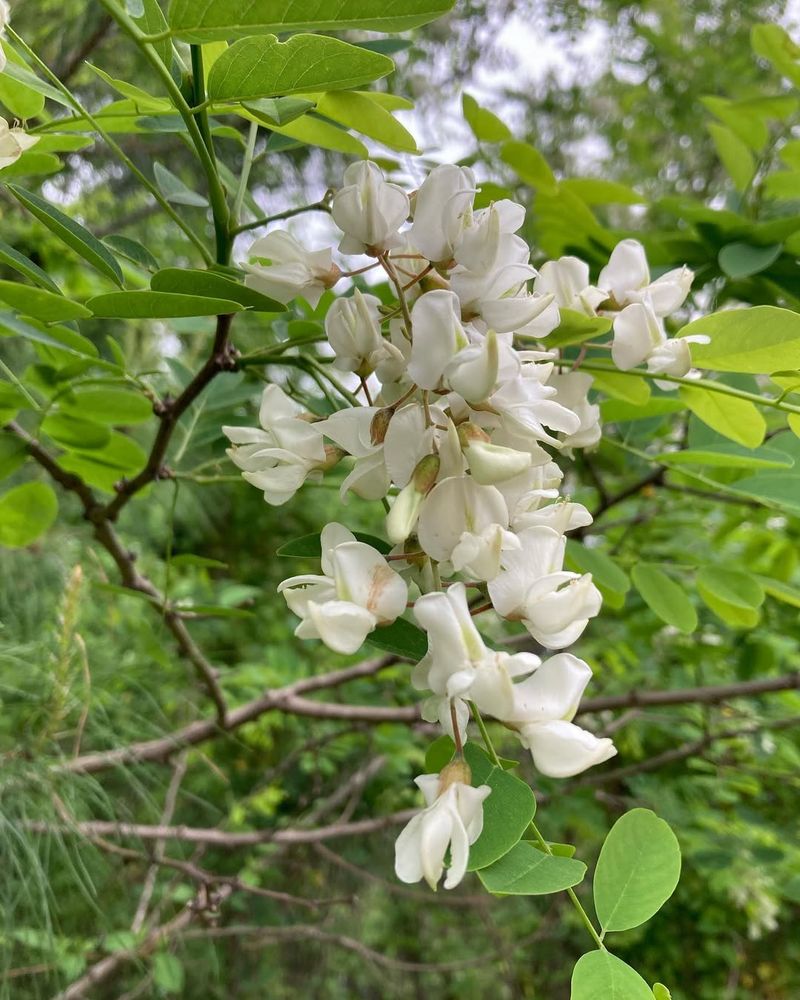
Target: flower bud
x: 333, y: 456
x: 469, y: 432
x: 456, y: 771
x: 425, y: 473
x: 380, y: 425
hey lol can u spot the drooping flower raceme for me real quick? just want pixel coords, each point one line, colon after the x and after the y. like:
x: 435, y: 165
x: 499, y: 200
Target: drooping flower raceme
x: 467, y: 417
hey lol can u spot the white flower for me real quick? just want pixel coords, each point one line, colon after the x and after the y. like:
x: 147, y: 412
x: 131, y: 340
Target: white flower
x: 572, y: 391
x: 544, y: 706
x: 626, y: 278
x: 458, y: 664
x: 454, y: 819
x: 292, y: 270
x: 282, y: 453
x: 456, y: 507
x: 440, y: 205
x: 368, y: 210
x: 438, y: 337
x: 358, y: 592
x: 351, y: 430
x: 13, y: 141
x: 487, y: 241
x: 638, y: 331
x: 567, y: 279
x: 674, y: 358
x: 490, y: 463
x: 353, y: 328
x: 561, y: 516
x: 553, y: 604
x: 5, y: 14
x: 527, y: 405
x: 479, y: 556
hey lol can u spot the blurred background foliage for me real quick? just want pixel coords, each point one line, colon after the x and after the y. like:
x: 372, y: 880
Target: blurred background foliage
x: 604, y: 90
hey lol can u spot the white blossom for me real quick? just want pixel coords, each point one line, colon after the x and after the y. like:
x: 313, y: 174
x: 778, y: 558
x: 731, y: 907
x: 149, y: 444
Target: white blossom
x: 626, y: 278
x: 454, y: 819
x: 358, y: 592
x: 13, y: 141
x: 368, y: 210
x: 290, y: 271
x: 283, y: 452
x: 440, y: 206
x: 567, y: 280
x: 353, y: 329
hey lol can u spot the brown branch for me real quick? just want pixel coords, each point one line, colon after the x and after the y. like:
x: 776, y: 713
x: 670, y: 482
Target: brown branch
x: 287, y: 699
x: 221, y: 359
x: 108, y: 966
x: 711, y: 695
x: 222, y: 838
x: 104, y: 532
x: 76, y: 60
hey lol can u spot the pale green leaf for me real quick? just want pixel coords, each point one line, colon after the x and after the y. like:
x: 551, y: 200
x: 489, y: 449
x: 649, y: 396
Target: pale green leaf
x: 40, y: 303
x: 600, y: 975
x: 637, y: 871
x: 734, y: 418
x: 526, y: 871
x: 741, y: 260
x: 665, y: 598
x: 26, y: 512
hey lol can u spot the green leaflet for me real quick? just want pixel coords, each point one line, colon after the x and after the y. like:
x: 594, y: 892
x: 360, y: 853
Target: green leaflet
x: 264, y: 67
x: 758, y: 340
x: 216, y: 19
x: 600, y: 975
x: 526, y: 871
x: 664, y: 597
x: 506, y: 812
x: 158, y: 305
x: 26, y: 512
x: 637, y: 871
x: 70, y: 232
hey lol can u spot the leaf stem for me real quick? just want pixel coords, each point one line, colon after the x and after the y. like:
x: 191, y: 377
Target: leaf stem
x: 584, y: 916
x: 245, y: 176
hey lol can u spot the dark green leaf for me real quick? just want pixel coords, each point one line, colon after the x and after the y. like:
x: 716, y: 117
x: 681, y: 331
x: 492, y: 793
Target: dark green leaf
x: 740, y: 260
x: 19, y: 262
x: 70, y: 232
x: 664, y: 597
x: 74, y: 432
x: 158, y: 305
x: 132, y: 250
x: 210, y: 283
x: 40, y: 303
x: 401, y: 638
x: 507, y: 812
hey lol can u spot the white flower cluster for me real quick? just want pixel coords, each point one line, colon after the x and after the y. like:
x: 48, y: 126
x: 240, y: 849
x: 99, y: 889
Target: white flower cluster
x: 467, y: 413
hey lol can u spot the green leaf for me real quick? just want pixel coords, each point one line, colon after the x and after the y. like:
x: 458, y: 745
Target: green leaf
x: 637, y: 871
x: 439, y: 753
x: 264, y: 67
x: 506, y: 812
x: 59, y: 337
x: 780, y: 591
x: 780, y: 488
x: 525, y: 871
x: 175, y: 191
x: 26, y: 512
x: 665, y: 598
x: 757, y: 340
x: 783, y: 185
x: 102, y: 468
x: 602, y: 976
x: 318, y: 132
x: 401, y: 638
x: 734, y: 154
x: 132, y: 250
x: 486, y: 126
x: 741, y: 260
x: 772, y: 42
x: 40, y: 303
x: 728, y: 456
x: 75, y: 432
x: 731, y: 586
x: 601, y: 192
x: 23, y: 265
x: 310, y: 547
x: 108, y: 405
x: 206, y: 283
x: 616, y: 411
x: 32, y: 163
x: 629, y: 389
x: 660, y: 992
x: 18, y: 71
x: 168, y: 972
x: 158, y: 305
x: 279, y: 110
x: 70, y: 232
x: 575, y: 327
x: 230, y: 18
x: 143, y: 100
x: 22, y: 100
x: 529, y: 165
x: 13, y: 452
x: 189, y: 559
x: 152, y: 22
x: 358, y: 112
x: 605, y: 571
x: 737, y: 419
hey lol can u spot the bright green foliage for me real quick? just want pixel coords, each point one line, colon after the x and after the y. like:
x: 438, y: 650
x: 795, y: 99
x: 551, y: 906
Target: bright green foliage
x: 506, y: 813
x: 734, y: 418
x: 664, y: 596
x: 230, y: 18
x: 759, y: 339
x: 528, y: 871
x: 601, y: 976
x: 26, y: 512
x: 264, y: 67
x: 637, y: 871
